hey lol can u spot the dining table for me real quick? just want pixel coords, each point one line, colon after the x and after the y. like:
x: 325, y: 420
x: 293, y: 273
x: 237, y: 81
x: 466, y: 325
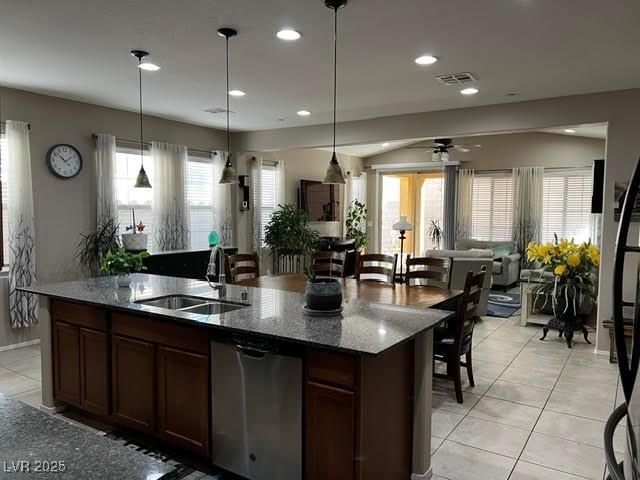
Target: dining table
x: 400, y: 294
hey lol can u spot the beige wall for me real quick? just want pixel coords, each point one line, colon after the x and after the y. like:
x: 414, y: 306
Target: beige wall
x: 499, y: 152
x: 618, y: 109
x: 65, y: 208
x: 303, y: 164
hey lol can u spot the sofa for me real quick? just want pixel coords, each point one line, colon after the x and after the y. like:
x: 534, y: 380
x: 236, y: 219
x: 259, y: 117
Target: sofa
x: 505, y: 269
x: 463, y: 262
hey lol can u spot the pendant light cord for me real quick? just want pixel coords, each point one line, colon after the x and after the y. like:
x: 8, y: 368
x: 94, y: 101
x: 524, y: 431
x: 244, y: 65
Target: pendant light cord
x: 335, y: 72
x: 141, y: 131
x: 227, y: 91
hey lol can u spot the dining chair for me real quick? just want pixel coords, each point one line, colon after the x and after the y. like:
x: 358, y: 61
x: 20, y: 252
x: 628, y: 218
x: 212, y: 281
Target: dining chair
x: 330, y: 264
x: 376, y: 267
x: 455, y: 340
x: 428, y: 271
x: 245, y: 265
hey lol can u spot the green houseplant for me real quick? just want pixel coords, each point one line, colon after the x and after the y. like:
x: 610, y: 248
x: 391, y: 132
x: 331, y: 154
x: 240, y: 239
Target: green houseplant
x: 93, y: 247
x: 123, y: 264
x: 356, y: 224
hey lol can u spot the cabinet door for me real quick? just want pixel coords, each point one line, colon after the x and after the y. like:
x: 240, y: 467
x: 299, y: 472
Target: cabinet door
x: 66, y: 363
x: 133, y: 374
x: 330, y: 433
x: 94, y: 374
x: 183, y: 398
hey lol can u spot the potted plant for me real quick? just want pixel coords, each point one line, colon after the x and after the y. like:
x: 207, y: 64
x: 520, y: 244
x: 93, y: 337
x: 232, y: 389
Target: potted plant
x: 572, y: 269
x: 93, y: 247
x: 288, y: 234
x: 122, y: 264
x: 322, y: 294
x: 356, y: 224
x: 435, y: 233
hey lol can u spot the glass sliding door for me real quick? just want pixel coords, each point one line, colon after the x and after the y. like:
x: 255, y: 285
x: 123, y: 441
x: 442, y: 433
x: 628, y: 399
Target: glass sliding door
x: 419, y: 197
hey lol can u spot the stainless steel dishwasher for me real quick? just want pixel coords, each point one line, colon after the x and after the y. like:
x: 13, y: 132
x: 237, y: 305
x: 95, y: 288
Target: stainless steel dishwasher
x: 256, y: 411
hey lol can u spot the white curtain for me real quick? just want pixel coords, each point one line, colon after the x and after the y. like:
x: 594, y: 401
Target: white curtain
x: 222, y: 201
x: 256, y: 188
x: 23, y: 307
x: 527, y: 205
x: 280, y: 183
x: 464, y: 201
x: 105, y: 155
x: 171, y: 215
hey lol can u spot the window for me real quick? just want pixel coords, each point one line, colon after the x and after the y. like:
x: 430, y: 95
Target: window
x: 432, y: 196
x: 492, y: 215
x: 269, y: 192
x: 358, y: 189
x: 200, y: 194
x: 128, y: 197
x: 566, y: 204
x: 5, y: 207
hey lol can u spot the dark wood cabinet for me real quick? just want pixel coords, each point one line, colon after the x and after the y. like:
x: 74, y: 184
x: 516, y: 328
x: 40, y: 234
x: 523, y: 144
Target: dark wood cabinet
x: 133, y: 383
x: 66, y: 362
x: 183, y: 398
x: 94, y: 371
x: 330, y: 428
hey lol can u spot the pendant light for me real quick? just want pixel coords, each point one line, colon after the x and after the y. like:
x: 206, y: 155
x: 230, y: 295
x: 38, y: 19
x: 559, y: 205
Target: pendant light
x: 228, y: 172
x: 142, y: 181
x: 334, y: 173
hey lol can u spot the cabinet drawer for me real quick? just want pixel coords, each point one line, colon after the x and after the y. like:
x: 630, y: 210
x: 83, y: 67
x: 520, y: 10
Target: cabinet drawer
x: 331, y: 368
x: 157, y: 331
x: 81, y: 315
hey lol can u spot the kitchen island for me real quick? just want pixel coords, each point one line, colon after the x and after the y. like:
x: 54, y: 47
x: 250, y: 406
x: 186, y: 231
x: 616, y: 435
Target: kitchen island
x: 168, y: 357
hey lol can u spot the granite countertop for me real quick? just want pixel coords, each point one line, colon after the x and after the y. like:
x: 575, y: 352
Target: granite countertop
x: 31, y: 436
x: 361, y: 328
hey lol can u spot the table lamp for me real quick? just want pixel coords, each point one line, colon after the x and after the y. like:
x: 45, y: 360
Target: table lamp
x: 402, y: 226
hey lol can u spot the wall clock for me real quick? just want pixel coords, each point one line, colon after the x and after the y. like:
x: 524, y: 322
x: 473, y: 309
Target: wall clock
x: 64, y: 160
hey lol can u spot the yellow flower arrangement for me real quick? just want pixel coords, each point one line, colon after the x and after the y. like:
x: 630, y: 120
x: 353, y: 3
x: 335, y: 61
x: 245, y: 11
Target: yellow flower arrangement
x: 574, y: 268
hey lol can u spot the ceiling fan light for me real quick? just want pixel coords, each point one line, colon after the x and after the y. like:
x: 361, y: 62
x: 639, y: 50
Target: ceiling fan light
x: 435, y: 157
x: 444, y: 156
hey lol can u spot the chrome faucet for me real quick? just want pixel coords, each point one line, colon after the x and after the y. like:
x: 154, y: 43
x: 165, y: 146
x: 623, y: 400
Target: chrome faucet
x: 221, y: 286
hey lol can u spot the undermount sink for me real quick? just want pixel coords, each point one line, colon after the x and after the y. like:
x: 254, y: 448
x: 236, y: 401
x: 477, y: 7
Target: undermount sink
x: 189, y: 304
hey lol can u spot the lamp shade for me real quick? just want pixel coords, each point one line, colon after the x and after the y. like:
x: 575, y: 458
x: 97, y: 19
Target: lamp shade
x: 403, y: 224
x: 334, y: 173
x: 142, y: 180
x: 229, y: 174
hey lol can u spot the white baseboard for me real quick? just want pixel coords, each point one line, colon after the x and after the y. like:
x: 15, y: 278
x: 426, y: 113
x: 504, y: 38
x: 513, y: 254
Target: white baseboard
x: 53, y: 410
x: 422, y: 476
x: 19, y: 345
x: 601, y: 352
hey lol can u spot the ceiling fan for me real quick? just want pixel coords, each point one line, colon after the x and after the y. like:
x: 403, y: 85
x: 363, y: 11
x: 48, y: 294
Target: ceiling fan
x: 441, y: 146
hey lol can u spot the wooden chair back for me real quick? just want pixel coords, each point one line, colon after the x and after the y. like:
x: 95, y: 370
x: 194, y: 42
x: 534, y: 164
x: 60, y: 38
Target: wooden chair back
x: 428, y: 271
x: 330, y: 264
x: 467, y: 313
x: 242, y: 266
x: 376, y: 265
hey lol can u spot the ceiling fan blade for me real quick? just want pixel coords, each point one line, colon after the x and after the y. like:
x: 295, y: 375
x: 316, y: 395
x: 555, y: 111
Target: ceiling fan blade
x: 461, y: 148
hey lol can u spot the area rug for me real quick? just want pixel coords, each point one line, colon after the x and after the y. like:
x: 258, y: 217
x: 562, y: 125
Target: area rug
x: 503, y: 305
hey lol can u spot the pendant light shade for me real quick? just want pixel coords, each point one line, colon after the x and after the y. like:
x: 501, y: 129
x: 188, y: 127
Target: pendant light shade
x: 229, y: 174
x: 142, y: 180
x: 334, y: 173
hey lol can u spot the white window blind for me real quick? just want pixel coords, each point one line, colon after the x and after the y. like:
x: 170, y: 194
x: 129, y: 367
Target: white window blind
x: 269, y: 197
x: 128, y: 197
x: 492, y: 212
x: 5, y: 206
x: 200, y: 200
x: 432, y: 196
x: 357, y: 189
x: 566, y: 209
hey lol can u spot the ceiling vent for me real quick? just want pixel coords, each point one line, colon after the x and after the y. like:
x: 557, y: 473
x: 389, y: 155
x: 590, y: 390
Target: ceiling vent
x: 455, y: 79
x: 218, y: 110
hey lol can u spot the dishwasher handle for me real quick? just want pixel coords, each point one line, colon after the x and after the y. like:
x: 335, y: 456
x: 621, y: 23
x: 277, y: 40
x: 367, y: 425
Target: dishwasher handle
x: 252, y: 352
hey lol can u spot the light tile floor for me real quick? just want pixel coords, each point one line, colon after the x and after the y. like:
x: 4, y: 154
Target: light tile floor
x: 537, y: 411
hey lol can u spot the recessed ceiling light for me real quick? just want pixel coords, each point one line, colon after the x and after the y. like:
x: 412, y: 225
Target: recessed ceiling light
x: 288, y: 34
x: 237, y: 93
x: 569, y: 130
x: 303, y: 113
x: 469, y: 91
x: 385, y: 144
x: 426, y: 60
